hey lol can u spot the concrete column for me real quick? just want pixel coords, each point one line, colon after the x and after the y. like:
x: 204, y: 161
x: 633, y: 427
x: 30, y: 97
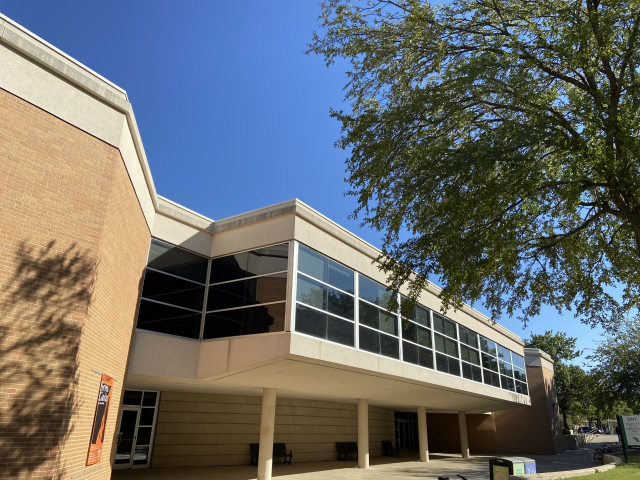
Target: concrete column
x: 423, y: 443
x: 464, y: 439
x: 363, y: 433
x: 267, y: 423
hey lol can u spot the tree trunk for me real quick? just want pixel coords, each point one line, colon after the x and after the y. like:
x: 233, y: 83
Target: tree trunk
x: 564, y: 419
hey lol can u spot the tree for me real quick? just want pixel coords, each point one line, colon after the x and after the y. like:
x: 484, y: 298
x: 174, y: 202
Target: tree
x: 495, y: 142
x: 618, y: 361
x: 570, y: 379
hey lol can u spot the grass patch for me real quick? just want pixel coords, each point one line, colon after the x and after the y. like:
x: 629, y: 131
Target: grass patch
x: 630, y: 471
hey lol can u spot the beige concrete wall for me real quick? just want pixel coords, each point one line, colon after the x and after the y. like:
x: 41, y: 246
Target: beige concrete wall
x: 197, y: 429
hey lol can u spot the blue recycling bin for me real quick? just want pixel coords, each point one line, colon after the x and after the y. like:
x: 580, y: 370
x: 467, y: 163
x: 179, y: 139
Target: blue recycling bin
x: 500, y: 468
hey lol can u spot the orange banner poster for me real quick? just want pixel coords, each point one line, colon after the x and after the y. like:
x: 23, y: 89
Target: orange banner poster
x: 100, y: 420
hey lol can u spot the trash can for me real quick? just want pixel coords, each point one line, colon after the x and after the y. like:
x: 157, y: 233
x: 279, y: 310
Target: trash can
x: 501, y: 468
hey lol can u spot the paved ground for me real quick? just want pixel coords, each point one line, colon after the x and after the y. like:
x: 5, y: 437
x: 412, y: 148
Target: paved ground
x: 406, y: 467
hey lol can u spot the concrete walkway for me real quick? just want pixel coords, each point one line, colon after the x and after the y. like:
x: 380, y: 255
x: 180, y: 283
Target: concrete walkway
x: 406, y: 467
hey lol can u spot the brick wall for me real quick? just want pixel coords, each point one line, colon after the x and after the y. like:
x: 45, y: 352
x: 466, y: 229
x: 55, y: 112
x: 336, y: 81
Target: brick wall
x: 532, y: 430
x: 73, y: 244
x: 196, y: 429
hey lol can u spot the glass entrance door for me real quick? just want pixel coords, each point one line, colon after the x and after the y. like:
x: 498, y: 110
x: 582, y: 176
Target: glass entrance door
x: 126, y: 437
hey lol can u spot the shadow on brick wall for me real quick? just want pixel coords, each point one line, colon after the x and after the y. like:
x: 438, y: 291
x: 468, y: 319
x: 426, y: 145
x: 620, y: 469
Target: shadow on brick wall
x: 42, y: 308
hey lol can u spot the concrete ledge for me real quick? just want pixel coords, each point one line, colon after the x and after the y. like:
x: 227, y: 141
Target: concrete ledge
x: 567, y: 474
x: 611, y: 460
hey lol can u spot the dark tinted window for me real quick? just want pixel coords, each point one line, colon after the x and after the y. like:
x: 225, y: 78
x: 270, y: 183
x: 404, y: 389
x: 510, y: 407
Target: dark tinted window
x: 245, y: 321
x: 374, y: 292
x: 168, y: 289
x: 416, y: 333
x: 470, y: 355
x: 504, y: 353
x: 491, y: 378
x: 322, y: 268
x: 166, y: 319
x: 253, y: 291
x: 326, y: 298
x: 377, y: 318
x: 506, y: 368
x: 471, y: 372
x: 379, y: 343
x: 446, y: 345
x: 447, y: 364
x: 508, y: 383
x: 261, y: 261
x: 176, y: 261
x: 518, y: 361
x: 419, y: 356
x: 489, y: 362
x: 487, y: 345
x: 519, y: 374
x: 445, y: 326
x: 468, y: 337
x: 132, y: 397
x: 321, y: 325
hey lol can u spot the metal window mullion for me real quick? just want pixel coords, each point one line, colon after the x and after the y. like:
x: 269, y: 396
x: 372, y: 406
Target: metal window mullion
x: 459, y: 349
x: 171, y: 305
x: 399, y: 323
x: 204, y: 304
x: 356, y: 313
x: 178, y: 276
x: 251, y: 277
x: 292, y: 291
x: 326, y: 284
x: 312, y: 308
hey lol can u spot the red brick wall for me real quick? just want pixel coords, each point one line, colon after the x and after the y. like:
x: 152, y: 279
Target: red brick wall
x: 73, y: 245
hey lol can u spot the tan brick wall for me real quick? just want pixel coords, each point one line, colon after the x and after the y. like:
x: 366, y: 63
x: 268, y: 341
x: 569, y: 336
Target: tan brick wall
x: 203, y: 429
x: 73, y: 244
x: 532, y: 430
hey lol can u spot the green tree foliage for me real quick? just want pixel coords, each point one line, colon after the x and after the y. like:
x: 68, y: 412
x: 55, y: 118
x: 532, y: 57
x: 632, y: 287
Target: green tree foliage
x: 496, y: 143
x: 570, y: 379
x: 617, y: 359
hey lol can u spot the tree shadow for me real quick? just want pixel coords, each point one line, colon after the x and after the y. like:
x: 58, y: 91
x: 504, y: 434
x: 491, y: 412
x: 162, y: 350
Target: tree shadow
x: 42, y: 311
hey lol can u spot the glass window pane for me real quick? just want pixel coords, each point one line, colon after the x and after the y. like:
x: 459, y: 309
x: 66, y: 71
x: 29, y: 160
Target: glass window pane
x: 369, y: 340
x: 422, y: 316
x: 340, y: 303
x: 141, y: 456
x: 470, y: 355
x: 506, y: 368
x: 519, y: 374
x: 487, y: 345
x: 471, y: 372
x: 340, y: 331
x: 522, y: 388
x: 443, y: 325
x: 146, y: 416
x: 409, y: 331
x: 311, y: 322
x: 311, y: 292
x: 168, y: 289
x: 378, y: 319
x: 504, y: 353
x: 149, y: 399
x: 318, y: 266
x: 507, y: 383
x: 446, y: 345
x: 249, y: 264
x: 340, y: 276
x: 165, y: 319
x: 426, y: 358
x: 410, y: 353
x: 447, y: 364
x: 174, y: 260
x: 242, y: 293
x: 517, y: 360
x: 424, y: 337
x: 144, y: 436
x: 491, y: 378
x: 489, y: 362
x: 245, y: 321
x: 374, y: 292
x: 132, y: 397
x: 468, y: 337
x: 389, y: 346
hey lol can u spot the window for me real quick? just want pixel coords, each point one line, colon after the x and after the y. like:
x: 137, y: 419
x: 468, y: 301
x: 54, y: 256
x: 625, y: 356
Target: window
x: 247, y: 293
x: 173, y: 291
x: 378, y: 329
x: 325, y: 305
x: 416, y: 335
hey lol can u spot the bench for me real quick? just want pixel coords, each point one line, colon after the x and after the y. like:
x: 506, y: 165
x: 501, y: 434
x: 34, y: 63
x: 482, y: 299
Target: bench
x: 389, y: 449
x: 279, y: 450
x: 345, y: 448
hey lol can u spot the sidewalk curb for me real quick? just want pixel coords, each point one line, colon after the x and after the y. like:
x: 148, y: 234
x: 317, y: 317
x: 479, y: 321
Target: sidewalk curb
x: 566, y: 474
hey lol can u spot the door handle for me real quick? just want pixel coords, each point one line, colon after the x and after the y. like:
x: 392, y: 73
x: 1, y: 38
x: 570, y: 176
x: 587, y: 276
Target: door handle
x: 118, y: 438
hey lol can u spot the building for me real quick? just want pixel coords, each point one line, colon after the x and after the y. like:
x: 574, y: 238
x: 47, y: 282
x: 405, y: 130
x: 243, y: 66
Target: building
x: 268, y: 326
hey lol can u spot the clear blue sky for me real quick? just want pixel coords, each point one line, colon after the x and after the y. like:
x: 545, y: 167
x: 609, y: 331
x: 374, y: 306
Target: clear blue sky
x: 233, y: 115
